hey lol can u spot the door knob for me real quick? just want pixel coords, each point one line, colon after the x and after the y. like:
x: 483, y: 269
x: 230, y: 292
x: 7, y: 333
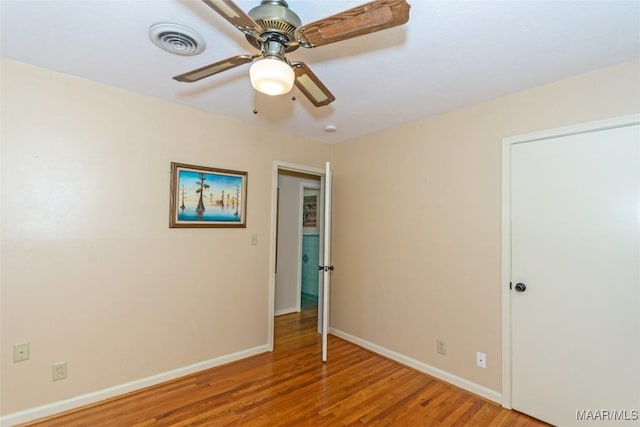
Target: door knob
x: 521, y: 287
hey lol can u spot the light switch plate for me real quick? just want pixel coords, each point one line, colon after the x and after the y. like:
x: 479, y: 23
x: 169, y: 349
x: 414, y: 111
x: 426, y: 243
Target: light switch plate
x: 21, y: 351
x: 481, y: 359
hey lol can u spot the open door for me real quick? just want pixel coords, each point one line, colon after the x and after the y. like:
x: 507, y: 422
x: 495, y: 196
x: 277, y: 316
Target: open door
x: 327, y: 267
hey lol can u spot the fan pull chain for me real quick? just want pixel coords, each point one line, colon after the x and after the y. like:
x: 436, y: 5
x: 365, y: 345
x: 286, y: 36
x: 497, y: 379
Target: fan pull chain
x: 255, y: 103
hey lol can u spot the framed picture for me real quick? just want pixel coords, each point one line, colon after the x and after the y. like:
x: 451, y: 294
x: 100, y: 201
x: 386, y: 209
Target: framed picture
x: 207, y: 197
x: 310, y: 211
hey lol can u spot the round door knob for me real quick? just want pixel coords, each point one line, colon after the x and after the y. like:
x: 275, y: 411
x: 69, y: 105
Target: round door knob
x: 521, y: 287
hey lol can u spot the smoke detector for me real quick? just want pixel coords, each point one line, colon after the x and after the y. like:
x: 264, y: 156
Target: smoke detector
x: 177, y: 39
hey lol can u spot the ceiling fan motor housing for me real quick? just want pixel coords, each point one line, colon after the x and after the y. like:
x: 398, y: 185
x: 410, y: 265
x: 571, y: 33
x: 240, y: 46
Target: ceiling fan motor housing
x: 279, y: 23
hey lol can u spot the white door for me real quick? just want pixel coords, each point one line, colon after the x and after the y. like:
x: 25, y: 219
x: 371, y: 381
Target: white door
x: 327, y: 260
x: 575, y: 244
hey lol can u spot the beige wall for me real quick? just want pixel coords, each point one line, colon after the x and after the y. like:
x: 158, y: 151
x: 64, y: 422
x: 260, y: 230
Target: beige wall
x: 417, y: 221
x: 91, y: 273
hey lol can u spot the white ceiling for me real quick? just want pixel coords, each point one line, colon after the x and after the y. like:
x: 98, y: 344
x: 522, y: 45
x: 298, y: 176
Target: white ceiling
x: 449, y: 55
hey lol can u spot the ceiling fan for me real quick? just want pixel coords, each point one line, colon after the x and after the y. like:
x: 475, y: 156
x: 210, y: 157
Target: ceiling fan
x: 275, y: 29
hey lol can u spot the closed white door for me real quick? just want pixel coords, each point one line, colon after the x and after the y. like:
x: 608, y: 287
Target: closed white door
x: 575, y: 245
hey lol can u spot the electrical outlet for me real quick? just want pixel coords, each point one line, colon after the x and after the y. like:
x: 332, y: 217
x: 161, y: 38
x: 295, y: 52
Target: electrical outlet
x: 441, y: 348
x: 254, y: 239
x: 21, y: 351
x: 59, y: 371
x: 481, y: 360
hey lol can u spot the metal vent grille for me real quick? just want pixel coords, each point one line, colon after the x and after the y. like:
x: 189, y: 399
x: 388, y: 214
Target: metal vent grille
x: 176, y: 39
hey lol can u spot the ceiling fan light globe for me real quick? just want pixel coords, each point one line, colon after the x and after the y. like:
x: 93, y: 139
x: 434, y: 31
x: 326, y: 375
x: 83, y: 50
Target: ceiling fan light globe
x: 271, y: 76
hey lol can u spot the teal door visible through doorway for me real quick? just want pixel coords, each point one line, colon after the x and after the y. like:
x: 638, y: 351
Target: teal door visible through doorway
x: 309, y: 277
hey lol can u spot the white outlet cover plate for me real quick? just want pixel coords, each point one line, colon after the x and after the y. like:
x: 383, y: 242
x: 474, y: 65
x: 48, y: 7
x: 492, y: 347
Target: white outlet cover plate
x: 59, y: 371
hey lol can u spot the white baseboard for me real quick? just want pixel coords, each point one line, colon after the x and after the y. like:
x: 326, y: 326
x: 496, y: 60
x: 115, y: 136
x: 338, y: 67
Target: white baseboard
x: 86, y: 399
x: 286, y: 311
x: 422, y: 367
x: 97, y: 396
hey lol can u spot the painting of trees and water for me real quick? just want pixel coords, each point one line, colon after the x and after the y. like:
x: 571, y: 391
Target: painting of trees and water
x: 207, y: 197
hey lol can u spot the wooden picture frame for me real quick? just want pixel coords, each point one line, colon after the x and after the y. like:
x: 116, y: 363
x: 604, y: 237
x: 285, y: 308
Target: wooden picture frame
x: 310, y: 211
x: 207, y: 197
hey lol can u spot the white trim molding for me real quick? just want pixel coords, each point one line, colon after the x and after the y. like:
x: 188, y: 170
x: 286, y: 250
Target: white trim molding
x: 457, y: 381
x: 507, y: 143
x: 118, y: 390
x: 286, y: 311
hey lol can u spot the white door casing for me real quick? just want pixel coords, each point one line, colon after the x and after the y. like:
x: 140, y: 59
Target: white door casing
x: 571, y: 233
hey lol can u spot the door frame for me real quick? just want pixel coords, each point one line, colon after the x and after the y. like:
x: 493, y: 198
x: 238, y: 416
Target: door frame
x: 277, y: 167
x: 506, y: 293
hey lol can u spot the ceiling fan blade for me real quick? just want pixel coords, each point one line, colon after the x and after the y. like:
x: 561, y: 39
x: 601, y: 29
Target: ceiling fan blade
x: 311, y: 86
x: 367, y: 18
x: 238, y: 18
x: 215, y: 68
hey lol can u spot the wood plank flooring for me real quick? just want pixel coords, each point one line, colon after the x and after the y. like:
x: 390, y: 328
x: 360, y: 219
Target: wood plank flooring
x: 292, y: 387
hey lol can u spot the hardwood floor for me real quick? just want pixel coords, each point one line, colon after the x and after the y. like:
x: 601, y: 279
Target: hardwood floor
x: 292, y: 387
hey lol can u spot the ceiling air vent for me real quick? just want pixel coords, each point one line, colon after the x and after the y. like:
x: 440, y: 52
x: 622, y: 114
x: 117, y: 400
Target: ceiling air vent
x: 175, y: 38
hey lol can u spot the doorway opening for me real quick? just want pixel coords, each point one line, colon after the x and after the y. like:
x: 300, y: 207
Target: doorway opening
x: 297, y: 237
x: 298, y: 242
